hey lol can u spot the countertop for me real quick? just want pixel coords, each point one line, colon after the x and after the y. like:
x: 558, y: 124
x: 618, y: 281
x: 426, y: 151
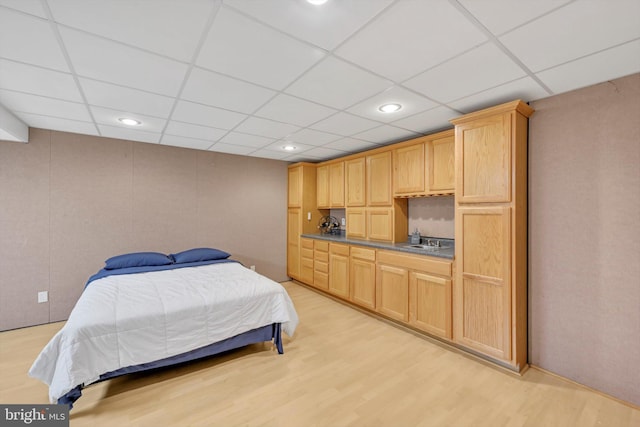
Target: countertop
x: 446, y: 251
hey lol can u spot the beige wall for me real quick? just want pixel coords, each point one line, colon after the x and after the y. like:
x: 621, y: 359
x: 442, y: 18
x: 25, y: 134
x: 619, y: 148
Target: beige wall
x: 584, y: 236
x: 68, y: 202
x: 433, y: 216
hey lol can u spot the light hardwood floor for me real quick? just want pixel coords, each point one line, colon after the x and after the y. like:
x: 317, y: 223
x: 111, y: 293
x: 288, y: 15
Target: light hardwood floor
x: 342, y: 368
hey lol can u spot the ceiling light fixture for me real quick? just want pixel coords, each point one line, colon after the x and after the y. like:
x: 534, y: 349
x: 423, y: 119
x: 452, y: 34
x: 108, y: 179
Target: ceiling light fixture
x: 317, y: 2
x: 289, y: 147
x: 129, y: 122
x: 390, y: 108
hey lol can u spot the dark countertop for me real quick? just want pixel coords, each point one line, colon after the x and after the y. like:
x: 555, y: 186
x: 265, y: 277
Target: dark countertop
x: 446, y: 251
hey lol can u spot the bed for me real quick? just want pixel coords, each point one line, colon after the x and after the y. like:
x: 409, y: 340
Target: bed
x: 148, y: 310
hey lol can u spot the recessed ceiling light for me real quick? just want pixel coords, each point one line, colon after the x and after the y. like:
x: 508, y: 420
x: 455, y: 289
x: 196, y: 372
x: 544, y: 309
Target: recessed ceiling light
x: 317, y: 2
x: 129, y: 122
x: 390, y: 108
x: 289, y: 147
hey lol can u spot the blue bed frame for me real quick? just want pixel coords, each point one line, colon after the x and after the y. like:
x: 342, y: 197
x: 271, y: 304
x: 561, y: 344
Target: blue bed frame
x: 266, y: 333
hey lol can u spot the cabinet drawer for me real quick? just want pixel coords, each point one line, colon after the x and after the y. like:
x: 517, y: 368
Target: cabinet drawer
x: 307, y: 263
x: 363, y: 253
x: 307, y: 243
x: 322, y: 267
x: 339, y: 249
x: 321, y: 256
x: 306, y: 253
x: 321, y: 280
x: 321, y: 245
x: 416, y: 262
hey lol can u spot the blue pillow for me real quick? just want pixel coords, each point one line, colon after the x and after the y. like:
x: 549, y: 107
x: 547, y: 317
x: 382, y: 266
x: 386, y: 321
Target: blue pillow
x: 137, y: 259
x: 199, y: 254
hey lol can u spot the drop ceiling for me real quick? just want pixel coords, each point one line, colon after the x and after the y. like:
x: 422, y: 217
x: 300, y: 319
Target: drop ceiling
x: 251, y: 76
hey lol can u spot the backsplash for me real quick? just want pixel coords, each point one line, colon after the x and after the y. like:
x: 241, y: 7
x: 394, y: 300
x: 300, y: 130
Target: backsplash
x: 433, y: 216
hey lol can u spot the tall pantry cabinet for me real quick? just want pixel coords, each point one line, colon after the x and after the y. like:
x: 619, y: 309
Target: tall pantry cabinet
x: 302, y: 212
x: 490, y: 287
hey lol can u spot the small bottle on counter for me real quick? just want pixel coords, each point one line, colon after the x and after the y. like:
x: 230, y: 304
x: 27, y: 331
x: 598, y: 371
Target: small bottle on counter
x: 415, y: 237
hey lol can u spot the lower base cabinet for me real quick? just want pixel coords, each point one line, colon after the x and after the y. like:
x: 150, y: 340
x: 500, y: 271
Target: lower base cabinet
x: 339, y: 269
x: 392, y: 292
x: 362, y: 277
x: 430, y: 303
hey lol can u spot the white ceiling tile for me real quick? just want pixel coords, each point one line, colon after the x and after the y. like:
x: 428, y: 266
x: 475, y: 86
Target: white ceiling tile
x: 164, y: 26
x: 101, y: 59
x: 386, y: 134
x: 525, y: 89
x: 270, y: 154
x: 31, y: 40
x: 231, y: 149
x: 194, y: 131
x: 326, y: 26
x: 578, y: 29
x: 603, y: 66
x: 428, y: 121
x: 32, y: 7
x: 217, y: 90
x: 411, y: 37
x: 345, y: 124
x: 240, y: 46
x: 289, y: 109
x: 122, y: 98
x: 38, y: 81
x: 337, y: 84
x: 129, y: 134
x: 26, y: 103
x: 410, y: 101
x: 190, y: 112
x: 280, y: 144
x: 312, y: 137
x: 500, y: 16
x: 264, y: 127
x: 351, y: 145
x: 477, y: 70
x: 110, y: 117
x: 324, y: 153
x: 57, y: 123
x: 237, y: 138
x: 181, y: 141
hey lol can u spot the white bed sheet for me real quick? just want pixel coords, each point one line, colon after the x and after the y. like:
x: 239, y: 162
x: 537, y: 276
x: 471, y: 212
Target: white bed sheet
x: 131, y: 319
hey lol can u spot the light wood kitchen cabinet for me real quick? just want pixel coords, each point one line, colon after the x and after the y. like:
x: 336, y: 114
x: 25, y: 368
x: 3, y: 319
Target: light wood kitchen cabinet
x: 392, y: 291
x: 355, y: 182
x: 409, y: 170
x: 321, y: 264
x: 388, y: 224
x: 490, y: 287
x: 430, y: 303
x: 336, y: 185
x: 379, y: 172
x: 356, y: 223
x: 322, y: 187
x: 362, y: 276
x: 302, y: 203
x: 339, y: 269
x: 440, y: 151
x: 306, y: 260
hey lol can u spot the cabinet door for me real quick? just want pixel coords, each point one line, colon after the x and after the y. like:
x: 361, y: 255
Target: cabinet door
x: 295, y: 187
x: 306, y: 260
x: 321, y: 265
x: 441, y: 161
x: 339, y: 270
x: 379, y: 190
x: 293, y: 242
x: 322, y: 187
x: 430, y: 303
x: 363, y: 276
x: 355, y: 182
x: 392, y: 292
x: 408, y: 170
x: 356, y: 223
x: 336, y: 185
x: 380, y: 224
x: 482, y: 306
x: 483, y: 160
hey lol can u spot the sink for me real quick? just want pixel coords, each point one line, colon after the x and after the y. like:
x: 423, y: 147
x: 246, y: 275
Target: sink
x: 427, y: 247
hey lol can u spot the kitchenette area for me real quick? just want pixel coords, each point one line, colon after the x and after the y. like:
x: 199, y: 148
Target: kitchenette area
x: 429, y: 233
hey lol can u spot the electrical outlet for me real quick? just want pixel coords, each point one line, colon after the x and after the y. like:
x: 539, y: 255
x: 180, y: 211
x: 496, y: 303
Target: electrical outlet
x: 43, y: 296
x: 344, y: 222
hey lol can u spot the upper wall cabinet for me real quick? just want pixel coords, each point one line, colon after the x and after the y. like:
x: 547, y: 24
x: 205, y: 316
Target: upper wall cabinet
x: 330, y: 186
x: 322, y: 187
x: 408, y: 170
x: 441, y: 176
x: 379, y: 191
x: 355, y: 182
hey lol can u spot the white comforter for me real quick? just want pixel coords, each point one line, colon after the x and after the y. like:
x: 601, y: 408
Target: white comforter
x: 138, y: 318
